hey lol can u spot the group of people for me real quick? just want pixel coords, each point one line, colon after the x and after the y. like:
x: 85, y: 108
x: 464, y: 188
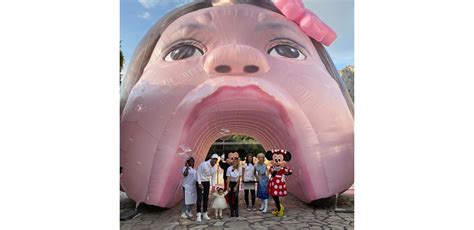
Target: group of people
x: 199, y: 182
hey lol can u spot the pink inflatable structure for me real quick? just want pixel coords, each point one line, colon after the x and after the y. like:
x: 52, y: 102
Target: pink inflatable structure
x: 215, y: 68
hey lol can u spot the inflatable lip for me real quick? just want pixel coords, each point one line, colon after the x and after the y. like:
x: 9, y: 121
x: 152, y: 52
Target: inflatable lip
x: 285, y: 103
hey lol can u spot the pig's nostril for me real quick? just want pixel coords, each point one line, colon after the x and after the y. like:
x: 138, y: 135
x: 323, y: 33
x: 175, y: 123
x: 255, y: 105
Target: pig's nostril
x: 251, y: 68
x: 223, y: 69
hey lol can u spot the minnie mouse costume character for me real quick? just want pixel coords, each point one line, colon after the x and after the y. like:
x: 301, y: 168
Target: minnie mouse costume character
x: 278, y: 170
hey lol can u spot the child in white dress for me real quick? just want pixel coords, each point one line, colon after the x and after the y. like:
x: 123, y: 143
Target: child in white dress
x: 219, y: 202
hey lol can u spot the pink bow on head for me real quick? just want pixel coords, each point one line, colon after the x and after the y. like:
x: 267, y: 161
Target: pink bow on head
x: 307, y: 20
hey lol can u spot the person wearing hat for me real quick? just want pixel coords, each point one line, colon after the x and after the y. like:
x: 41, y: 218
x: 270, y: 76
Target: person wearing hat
x: 206, y: 177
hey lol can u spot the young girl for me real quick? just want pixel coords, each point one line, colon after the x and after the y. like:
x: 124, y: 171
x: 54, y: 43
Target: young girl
x: 219, y: 202
x: 248, y: 175
x: 262, y: 175
x: 233, y: 181
x: 189, y: 188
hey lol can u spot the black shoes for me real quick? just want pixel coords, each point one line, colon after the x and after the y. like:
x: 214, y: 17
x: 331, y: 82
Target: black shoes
x: 234, y: 213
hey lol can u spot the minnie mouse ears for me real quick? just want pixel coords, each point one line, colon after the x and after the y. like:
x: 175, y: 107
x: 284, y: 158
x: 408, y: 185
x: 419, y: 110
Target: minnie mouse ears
x: 279, y: 151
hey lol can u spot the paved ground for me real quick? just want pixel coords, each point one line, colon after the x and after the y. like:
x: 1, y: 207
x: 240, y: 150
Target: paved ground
x: 298, y: 215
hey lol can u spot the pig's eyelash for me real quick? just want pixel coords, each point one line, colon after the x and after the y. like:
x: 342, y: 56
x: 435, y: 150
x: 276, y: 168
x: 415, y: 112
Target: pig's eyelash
x: 287, y: 41
x: 184, y: 42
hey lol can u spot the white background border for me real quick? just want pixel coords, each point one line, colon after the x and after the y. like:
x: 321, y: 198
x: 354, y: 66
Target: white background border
x: 59, y: 118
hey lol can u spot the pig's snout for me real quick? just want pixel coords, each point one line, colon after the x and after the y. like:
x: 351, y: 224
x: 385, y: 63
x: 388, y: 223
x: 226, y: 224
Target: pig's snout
x: 235, y: 60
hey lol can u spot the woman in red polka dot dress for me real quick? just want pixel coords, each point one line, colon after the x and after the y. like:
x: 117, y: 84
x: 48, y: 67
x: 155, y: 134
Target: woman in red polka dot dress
x: 278, y: 170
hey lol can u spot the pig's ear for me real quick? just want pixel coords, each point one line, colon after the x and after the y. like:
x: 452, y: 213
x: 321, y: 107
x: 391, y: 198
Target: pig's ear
x: 269, y: 155
x: 287, y: 156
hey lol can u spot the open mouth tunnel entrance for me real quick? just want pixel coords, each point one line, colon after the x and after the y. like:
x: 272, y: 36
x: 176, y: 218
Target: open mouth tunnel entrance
x: 233, y: 143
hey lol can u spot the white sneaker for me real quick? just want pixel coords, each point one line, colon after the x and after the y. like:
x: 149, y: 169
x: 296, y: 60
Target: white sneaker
x: 189, y: 214
x: 198, y: 217
x: 266, y: 206
x: 184, y: 216
x: 205, y: 216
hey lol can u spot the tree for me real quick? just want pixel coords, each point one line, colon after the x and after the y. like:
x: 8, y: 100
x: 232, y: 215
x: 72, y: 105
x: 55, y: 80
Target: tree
x: 347, y: 74
x: 122, y: 62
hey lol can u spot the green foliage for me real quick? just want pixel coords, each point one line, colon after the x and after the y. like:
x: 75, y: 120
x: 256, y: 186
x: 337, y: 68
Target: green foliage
x: 347, y: 74
x: 241, y: 138
x: 249, y: 148
x: 248, y: 143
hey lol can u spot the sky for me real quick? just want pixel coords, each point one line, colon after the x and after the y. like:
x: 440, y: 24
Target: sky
x: 137, y: 16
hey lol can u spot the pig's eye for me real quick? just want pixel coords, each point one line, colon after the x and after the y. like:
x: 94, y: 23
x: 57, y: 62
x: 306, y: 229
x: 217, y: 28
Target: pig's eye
x: 286, y: 51
x: 183, y: 52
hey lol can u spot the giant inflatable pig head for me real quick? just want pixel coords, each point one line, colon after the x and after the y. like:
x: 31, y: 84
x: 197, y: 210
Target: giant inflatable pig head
x: 216, y: 68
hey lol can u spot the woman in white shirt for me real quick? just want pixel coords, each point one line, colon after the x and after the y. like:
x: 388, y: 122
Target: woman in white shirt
x: 248, y: 174
x: 233, y: 181
x: 189, y: 188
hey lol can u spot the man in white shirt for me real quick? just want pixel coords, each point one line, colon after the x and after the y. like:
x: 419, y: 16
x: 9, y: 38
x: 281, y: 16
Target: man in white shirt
x: 206, y: 177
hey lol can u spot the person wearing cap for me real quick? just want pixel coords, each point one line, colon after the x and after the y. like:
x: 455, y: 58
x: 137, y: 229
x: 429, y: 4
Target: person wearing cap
x: 206, y: 177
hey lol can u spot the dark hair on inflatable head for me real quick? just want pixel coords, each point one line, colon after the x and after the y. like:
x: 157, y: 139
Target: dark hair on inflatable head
x: 143, y: 52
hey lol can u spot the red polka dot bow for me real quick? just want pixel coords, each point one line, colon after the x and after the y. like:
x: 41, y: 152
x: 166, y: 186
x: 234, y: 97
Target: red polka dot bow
x: 307, y: 20
x: 281, y: 151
